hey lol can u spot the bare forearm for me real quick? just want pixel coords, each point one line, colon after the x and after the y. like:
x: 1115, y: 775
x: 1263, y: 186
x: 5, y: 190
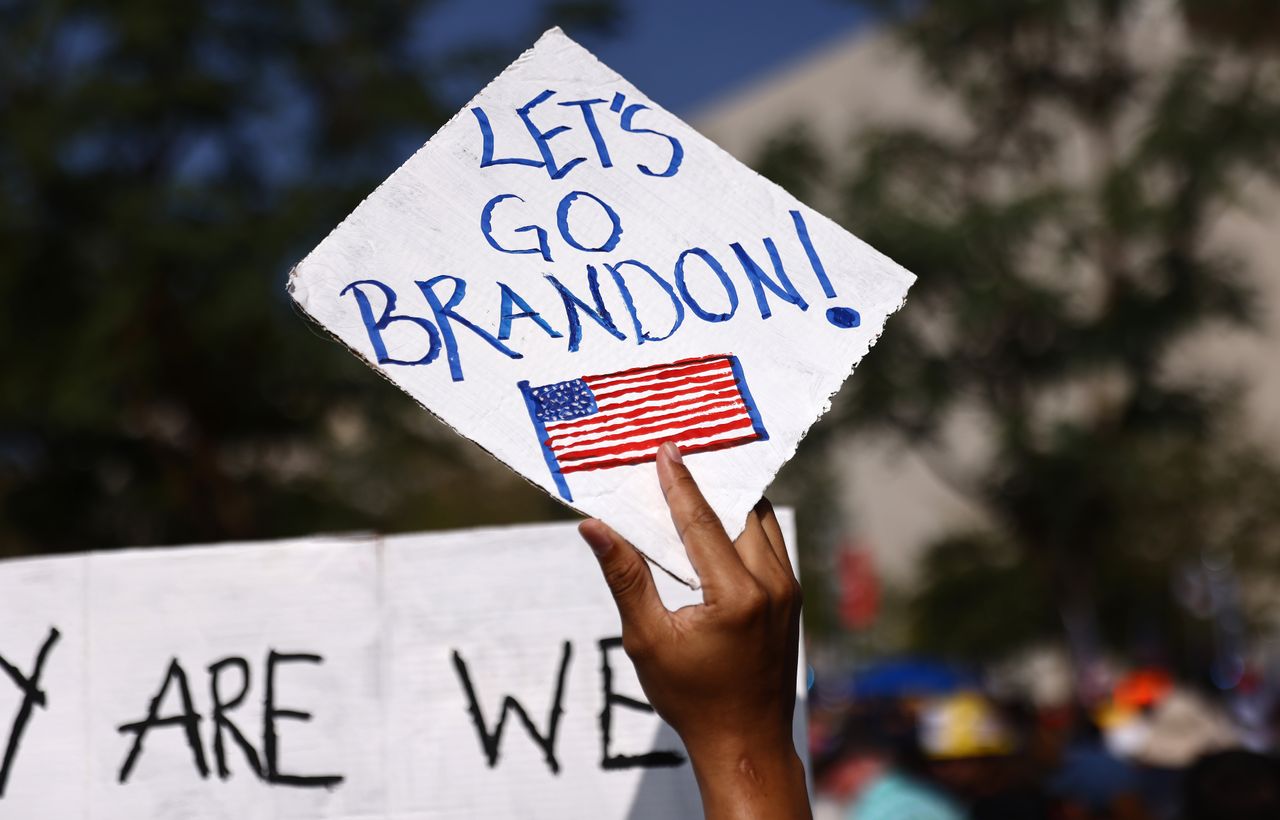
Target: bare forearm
x: 737, y: 784
x: 721, y: 673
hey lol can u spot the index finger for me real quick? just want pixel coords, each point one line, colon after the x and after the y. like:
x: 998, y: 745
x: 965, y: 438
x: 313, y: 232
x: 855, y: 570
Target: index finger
x: 710, y: 549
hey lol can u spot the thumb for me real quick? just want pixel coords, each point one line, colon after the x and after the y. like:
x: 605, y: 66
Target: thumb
x: 626, y: 573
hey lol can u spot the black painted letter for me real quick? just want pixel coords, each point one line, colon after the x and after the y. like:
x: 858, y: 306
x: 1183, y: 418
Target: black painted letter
x: 270, y: 740
x: 189, y: 719
x: 648, y: 760
x: 491, y: 741
x: 221, y: 721
x: 32, y: 696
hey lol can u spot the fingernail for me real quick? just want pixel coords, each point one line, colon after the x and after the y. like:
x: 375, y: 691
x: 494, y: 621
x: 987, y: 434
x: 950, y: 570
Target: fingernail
x: 672, y: 452
x: 598, y: 540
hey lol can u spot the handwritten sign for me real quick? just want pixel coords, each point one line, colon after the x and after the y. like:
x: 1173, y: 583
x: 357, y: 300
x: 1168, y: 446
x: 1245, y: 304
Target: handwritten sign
x: 468, y: 674
x: 570, y: 276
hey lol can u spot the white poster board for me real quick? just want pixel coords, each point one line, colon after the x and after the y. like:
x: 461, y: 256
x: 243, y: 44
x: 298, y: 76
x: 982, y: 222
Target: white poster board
x: 569, y: 275
x: 465, y: 674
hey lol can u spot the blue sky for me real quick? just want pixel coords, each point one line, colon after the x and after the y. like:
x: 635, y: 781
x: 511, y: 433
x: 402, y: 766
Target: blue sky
x: 683, y: 54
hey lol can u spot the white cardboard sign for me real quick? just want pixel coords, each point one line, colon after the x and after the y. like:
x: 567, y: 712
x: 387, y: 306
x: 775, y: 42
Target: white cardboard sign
x: 466, y: 674
x: 569, y: 275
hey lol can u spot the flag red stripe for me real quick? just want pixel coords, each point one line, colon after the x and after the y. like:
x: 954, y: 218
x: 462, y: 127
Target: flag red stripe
x: 643, y: 406
x: 653, y: 383
x: 575, y: 427
x: 708, y: 447
x: 650, y: 425
x: 645, y: 415
x: 658, y: 371
x: 717, y: 390
x: 665, y: 384
x: 626, y: 374
x: 618, y: 449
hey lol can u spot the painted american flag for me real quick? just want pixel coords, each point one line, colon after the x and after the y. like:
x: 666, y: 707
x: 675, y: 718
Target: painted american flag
x: 615, y: 419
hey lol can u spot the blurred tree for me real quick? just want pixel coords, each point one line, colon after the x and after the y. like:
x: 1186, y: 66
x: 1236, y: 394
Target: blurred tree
x: 1061, y: 235
x: 161, y: 167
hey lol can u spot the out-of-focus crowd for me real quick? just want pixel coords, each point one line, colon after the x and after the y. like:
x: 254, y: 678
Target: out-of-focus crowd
x: 1147, y: 750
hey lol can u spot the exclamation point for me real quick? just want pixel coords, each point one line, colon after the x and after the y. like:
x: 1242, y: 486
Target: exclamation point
x: 841, y: 317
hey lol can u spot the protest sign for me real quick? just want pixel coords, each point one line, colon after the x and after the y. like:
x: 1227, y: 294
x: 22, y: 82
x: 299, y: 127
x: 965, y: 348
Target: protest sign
x: 569, y: 275
x: 467, y: 674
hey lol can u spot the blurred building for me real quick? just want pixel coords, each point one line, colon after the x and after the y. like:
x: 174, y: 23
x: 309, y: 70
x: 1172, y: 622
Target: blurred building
x: 893, y: 502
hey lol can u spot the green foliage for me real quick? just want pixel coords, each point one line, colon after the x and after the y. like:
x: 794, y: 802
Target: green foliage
x: 161, y: 167
x: 1060, y: 230
x: 979, y: 600
x: 793, y: 161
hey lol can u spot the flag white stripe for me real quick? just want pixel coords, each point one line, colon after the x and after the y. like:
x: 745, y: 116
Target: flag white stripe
x: 649, y: 450
x: 670, y: 371
x: 624, y: 398
x: 647, y: 379
x: 605, y: 414
x: 605, y: 394
x: 692, y: 413
x: 674, y: 434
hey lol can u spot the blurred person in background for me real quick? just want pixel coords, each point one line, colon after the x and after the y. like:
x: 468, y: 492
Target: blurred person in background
x: 969, y: 748
x: 1182, y: 727
x: 865, y: 771
x: 1092, y: 783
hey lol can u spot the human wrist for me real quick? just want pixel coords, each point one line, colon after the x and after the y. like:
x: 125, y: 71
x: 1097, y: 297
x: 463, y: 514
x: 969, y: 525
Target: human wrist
x: 750, y: 776
x: 719, y: 747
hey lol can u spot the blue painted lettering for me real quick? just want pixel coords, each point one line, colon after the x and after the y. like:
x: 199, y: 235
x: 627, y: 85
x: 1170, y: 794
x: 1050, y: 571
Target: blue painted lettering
x: 593, y: 128
x: 446, y: 313
x: 597, y: 310
x: 677, y: 150
x: 782, y: 288
x: 486, y: 153
x: 643, y: 335
x: 512, y: 300
x: 725, y: 282
x: 486, y: 228
x: 374, y: 326
x: 802, y: 231
x: 543, y: 138
x: 562, y: 219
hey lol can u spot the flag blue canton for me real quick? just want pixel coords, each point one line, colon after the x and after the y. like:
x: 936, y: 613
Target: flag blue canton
x: 563, y: 401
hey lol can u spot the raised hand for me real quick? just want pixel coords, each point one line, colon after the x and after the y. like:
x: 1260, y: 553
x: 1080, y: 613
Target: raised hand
x: 722, y: 673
